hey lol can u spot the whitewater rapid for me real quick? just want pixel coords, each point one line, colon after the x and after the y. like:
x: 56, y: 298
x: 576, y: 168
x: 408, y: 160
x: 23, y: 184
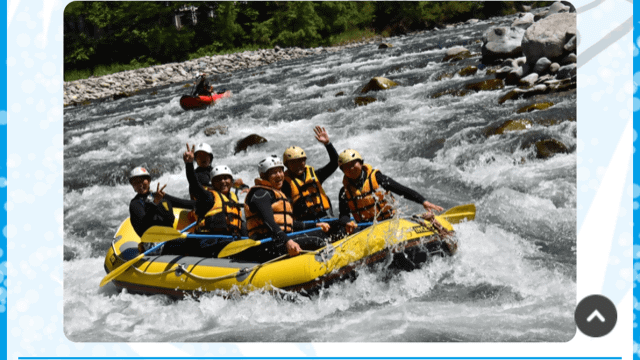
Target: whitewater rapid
x: 513, y: 278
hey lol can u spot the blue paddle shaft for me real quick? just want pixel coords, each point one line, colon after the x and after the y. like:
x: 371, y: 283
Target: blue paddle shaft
x: 289, y: 234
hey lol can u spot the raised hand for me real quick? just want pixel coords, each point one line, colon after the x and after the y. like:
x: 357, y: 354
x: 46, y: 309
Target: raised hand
x: 321, y: 134
x: 188, y: 155
x: 159, y: 194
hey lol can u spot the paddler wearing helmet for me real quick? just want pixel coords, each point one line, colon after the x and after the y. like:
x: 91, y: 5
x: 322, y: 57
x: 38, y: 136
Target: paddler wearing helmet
x: 202, y: 86
x: 303, y: 184
x: 203, y: 155
x: 269, y: 212
x: 217, y: 209
x: 362, y: 193
x: 149, y: 208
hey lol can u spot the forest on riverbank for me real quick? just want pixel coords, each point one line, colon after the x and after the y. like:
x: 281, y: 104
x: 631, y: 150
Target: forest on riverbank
x: 102, y: 37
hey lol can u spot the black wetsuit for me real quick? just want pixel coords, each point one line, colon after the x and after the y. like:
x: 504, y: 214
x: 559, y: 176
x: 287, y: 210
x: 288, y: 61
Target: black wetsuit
x: 203, y: 177
x: 386, y: 183
x: 322, y: 174
x: 202, y: 88
x: 144, y: 213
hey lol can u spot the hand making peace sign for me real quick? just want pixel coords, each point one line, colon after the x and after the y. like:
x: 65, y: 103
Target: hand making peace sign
x: 188, y: 155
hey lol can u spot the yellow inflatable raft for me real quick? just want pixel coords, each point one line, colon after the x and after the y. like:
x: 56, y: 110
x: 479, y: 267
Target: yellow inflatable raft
x: 408, y: 242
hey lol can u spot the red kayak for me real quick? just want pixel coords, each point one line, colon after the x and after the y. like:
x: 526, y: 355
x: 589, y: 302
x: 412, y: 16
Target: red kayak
x: 188, y: 102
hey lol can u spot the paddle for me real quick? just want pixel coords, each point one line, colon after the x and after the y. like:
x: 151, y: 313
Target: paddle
x: 242, y: 245
x: 124, y: 267
x: 165, y: 233
x: 458, y: 213
x: 454, y: 215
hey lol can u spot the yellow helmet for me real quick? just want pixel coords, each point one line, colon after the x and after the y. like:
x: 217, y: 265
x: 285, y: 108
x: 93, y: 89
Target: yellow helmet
x: 348, y: 156
x: 292, y: 153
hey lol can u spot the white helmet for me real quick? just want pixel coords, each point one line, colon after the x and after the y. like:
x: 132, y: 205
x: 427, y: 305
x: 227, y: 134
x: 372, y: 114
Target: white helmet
x: 269, y: 162
x: 138, y: 172
x: 221, y: 170
x: 204, y: 147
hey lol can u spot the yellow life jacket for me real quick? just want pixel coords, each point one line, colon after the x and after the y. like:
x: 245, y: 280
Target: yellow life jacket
x: 367, y: 203
x: 282, y: 212
x: 222, y: 206
x: 307, y: 196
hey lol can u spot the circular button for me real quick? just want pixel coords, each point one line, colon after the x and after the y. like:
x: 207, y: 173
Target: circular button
x: 596, y: 316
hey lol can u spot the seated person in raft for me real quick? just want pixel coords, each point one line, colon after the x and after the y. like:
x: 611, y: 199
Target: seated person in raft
x: 217, y: 210
x: 303, y: 184
x: 203, y: 88
x: 203, y: 155
x: 269, y: 214
x: 148, y: 208
x: 362, y: 195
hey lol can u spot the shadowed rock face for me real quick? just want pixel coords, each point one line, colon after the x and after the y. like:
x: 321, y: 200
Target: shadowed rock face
x: 250, y: 140
x: 549, y: 147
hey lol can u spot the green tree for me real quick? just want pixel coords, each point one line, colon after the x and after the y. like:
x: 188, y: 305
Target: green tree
x: 297, y: 24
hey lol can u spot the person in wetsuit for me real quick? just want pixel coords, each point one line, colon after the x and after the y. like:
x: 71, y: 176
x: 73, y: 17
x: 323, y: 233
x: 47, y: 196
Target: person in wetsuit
x: 202, y: 86
x: 303, y: 184
x: 269, y: 213
x: 148, y: 208
x: 203, y: 155
x: 362, y: 195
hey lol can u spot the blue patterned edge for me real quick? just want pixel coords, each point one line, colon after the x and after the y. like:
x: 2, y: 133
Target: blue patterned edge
x: 3, y: 188
x: 636, y: 176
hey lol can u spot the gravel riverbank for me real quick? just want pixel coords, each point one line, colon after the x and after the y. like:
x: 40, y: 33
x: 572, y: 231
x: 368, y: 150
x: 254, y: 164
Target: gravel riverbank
x: 128, y: 83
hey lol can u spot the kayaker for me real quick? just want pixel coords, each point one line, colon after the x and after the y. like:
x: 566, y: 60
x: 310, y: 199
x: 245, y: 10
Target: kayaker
x: 202, y: 86
x: 269, y: 212
x: 217, y: 209
x: 362, y: 196
x: 303, y: 185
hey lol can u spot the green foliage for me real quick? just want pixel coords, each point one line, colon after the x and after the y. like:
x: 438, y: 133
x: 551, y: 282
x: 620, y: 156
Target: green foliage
x: 225, y: 26
x: 98, y: 34
x: 299, y: 25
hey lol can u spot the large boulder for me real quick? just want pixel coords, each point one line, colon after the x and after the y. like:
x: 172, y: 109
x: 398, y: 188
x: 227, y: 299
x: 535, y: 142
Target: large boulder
x: 547, y: 37
x: 524, y: 21
x: 502, y: 43
x: 561, y: 7
x: 250, y: 140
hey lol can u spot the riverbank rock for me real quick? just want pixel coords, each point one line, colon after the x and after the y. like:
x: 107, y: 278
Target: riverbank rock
x: 509, y: 125
x: 524, y: 21
x: 567, y: 71
x: 378, y: 83
x: 560, y: 7
x: 542, y: 65
x: 385, y: 46
x: 534, y: 107
x: 547, y: 37
x: 456, y: 53
x: 364, y: 100
x: 468, y: 71
x: 251, y: 140
x: 549, y: 147
x: 501, y: 43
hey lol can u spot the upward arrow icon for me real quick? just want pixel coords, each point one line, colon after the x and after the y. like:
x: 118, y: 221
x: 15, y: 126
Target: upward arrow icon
x: 595, y: 314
